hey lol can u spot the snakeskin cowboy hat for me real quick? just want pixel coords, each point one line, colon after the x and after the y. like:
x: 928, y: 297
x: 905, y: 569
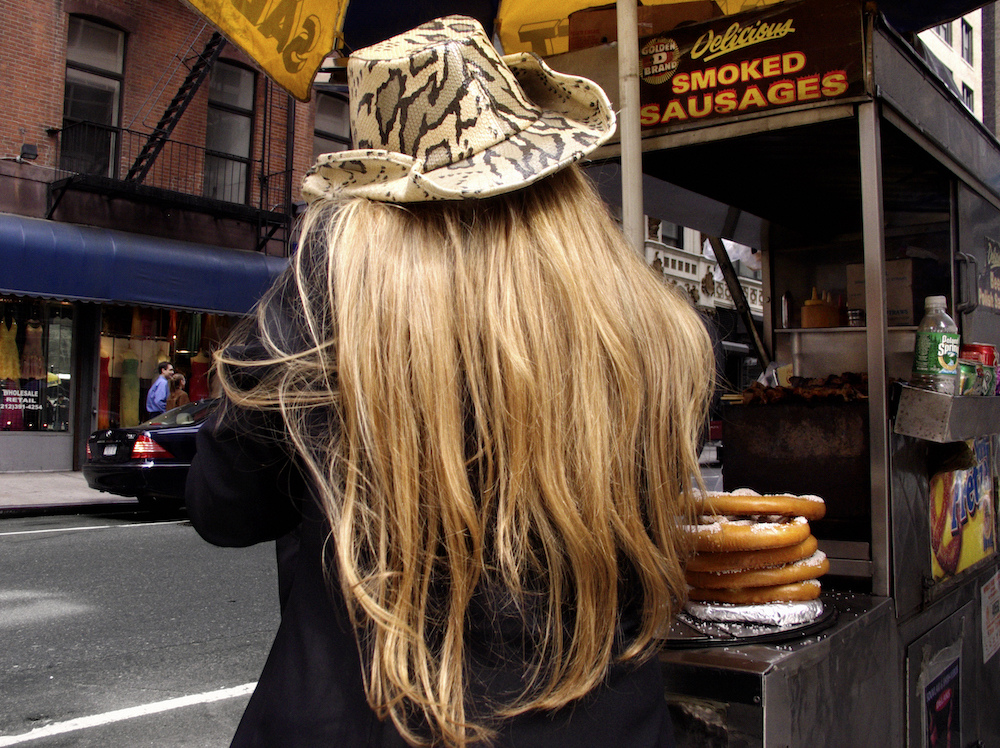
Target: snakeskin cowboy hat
x: 437, y: 114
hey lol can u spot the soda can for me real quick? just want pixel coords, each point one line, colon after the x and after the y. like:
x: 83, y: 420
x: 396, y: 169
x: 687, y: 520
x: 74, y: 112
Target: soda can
x: 967, y: 384
x: 986, y: 355
x: 989, y: 379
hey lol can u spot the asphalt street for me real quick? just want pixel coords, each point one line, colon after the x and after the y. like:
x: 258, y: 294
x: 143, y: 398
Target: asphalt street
x: 109, y: 611
x: 122, y: 629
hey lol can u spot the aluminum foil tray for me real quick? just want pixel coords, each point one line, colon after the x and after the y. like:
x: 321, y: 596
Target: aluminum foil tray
x: 722, y: 625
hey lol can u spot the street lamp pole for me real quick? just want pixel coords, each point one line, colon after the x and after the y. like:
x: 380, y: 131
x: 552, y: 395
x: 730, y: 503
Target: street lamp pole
x: 628, y: 125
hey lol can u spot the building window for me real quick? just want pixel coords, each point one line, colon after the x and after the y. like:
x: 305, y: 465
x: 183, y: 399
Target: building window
x: 969, y: 97
x: 743, y: 270
x: 135, y: 339
x: 95, y: 63
x: 664, y: 231
x: 333, y: 125
x: 967, y: 53
x: 229, y: 135
x: 944, y: 31
x: 36, y: 343
x: 672, y: 234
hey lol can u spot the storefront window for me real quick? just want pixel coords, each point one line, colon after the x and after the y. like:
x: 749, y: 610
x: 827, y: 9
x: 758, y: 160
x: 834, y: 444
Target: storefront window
x: 36, y: 340
x: 135, y: 340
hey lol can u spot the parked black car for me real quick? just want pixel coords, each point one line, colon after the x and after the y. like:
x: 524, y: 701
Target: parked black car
x: 149, y: 461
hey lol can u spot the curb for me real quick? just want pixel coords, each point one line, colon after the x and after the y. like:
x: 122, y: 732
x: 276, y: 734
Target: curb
x: 48, y: 510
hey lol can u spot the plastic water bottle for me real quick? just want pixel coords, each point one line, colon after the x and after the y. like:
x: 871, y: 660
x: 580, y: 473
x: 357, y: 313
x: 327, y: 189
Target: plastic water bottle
x: 935, y: 355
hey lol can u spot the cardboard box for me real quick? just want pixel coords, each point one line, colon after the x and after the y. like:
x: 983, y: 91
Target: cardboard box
x: 594, y: 26
x: 903, y: 308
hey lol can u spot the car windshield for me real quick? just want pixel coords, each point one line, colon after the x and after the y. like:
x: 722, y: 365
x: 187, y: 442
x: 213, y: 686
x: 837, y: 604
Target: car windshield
x: 185, y: 415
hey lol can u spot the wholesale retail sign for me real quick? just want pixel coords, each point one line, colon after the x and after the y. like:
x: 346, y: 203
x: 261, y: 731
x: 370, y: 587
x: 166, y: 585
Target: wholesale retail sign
x: 15, y: 399
x: 791, y: 54
x: 962, y: 514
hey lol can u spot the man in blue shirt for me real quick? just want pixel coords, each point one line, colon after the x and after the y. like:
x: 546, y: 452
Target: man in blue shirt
x: 156, y: 398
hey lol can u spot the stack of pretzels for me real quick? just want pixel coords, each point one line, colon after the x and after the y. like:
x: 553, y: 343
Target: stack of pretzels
x: 754, y: 549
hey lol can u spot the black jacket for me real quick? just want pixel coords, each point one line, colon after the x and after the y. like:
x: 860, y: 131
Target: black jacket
x: 242, y: 490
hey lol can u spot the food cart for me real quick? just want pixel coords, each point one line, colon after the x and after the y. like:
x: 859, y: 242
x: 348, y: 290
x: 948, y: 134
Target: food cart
x: 815, y: 132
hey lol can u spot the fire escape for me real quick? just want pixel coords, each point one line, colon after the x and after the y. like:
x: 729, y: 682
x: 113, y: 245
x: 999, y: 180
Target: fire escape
x: 161, y: 170
x: 175, y: 109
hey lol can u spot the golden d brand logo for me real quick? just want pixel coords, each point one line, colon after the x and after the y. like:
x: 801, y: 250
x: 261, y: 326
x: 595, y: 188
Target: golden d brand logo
x: 658, y: 60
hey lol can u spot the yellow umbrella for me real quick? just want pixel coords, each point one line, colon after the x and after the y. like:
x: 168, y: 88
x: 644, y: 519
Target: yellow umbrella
x: 289, y: 39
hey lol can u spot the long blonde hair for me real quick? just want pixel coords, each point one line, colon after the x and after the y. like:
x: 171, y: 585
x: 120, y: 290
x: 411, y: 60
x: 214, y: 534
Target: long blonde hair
x: 496, y: 399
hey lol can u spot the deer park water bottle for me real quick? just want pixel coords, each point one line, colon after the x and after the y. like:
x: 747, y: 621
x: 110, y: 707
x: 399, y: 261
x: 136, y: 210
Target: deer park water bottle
x: 935, y: 354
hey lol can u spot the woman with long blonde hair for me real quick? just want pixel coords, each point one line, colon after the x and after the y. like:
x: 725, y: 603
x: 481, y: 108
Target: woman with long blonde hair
x: 477, y: 409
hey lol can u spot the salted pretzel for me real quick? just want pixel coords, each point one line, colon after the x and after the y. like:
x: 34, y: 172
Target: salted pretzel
x: 798, y: 571
x: 746, y: 502
x: 760, y: 559
x: 718, y: 533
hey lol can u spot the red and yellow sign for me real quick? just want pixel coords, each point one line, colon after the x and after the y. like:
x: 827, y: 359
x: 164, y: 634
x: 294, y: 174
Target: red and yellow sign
x: 789, y: 54
x: 962, y: 515
x: 288, y: 38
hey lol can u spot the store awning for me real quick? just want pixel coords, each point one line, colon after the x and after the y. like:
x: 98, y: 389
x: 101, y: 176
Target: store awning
x: 82, y: 263
x: 918, y: 15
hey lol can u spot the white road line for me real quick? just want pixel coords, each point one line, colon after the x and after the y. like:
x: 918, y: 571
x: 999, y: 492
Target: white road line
x: 91, y: 527
x: 82, y: 723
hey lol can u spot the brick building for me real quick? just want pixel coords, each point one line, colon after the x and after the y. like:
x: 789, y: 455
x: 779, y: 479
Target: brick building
x: 148, y: 180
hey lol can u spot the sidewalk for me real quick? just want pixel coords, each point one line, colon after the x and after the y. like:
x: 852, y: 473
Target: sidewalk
x: 48, y: 492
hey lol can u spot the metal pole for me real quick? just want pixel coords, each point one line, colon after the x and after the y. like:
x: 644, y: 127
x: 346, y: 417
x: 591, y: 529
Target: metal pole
x: 873, y: 233
x: 628, y: 124
x: 739, y: 298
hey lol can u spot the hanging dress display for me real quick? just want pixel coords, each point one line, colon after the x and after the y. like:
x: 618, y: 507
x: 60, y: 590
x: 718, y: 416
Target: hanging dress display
x: 198, y: 387
x: 104, y: 386
x: 10, y: 360
x: 33, y: 361
x: 162, y: 354
x: 129, y: 405
x: 11, y: 406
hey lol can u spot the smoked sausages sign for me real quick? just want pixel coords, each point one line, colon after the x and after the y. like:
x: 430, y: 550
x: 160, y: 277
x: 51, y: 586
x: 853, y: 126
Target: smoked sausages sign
x: 791, y: 54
